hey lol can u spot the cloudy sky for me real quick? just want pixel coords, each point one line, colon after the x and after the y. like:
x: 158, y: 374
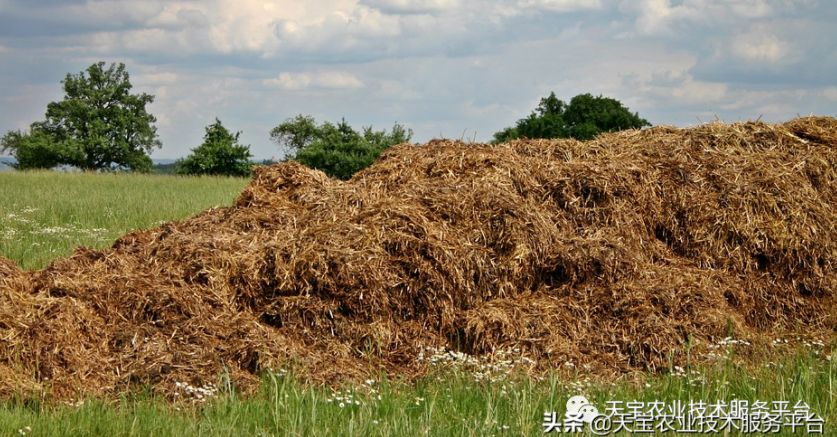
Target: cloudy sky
x: 445, y: 68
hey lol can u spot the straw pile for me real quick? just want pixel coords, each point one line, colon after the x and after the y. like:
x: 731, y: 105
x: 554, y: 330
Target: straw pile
x: 612, y: 253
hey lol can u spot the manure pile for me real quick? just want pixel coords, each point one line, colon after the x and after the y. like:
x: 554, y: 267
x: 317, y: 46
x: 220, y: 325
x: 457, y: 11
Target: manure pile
x: 613, y: 253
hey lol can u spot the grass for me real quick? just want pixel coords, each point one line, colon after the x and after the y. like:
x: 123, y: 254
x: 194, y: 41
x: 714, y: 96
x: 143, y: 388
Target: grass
x: 448, y: 402
x: 44, y: 215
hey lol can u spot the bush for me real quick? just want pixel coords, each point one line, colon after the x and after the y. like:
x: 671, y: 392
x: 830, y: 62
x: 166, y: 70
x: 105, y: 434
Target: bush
x: 338, y: 150
x: 220, y: 154
x: 583, y: 118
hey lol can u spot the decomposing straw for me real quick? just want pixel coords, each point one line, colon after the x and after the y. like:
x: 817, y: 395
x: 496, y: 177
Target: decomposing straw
x: 613, y: 253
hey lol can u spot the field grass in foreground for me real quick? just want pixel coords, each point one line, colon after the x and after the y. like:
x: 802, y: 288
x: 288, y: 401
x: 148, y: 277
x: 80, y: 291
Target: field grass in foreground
x: 45, y: 215
x: 448, y: 403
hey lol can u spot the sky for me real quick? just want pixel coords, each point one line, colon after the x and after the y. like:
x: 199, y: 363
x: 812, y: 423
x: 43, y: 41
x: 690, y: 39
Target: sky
x: 444, y: 68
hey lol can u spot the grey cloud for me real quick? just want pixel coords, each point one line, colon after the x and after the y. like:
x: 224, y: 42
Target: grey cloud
x: 193, y: 17
x: 668, y: 78
x: 796, y: 51
x: 752, y: 42
x: 59, y: 18
x: 40, y: 4
x: 454, y: 33
x: 18, y: 28
x: 180, y: 20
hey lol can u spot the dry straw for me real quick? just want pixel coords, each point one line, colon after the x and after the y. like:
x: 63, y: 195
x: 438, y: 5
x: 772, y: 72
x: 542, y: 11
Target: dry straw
x: 613, y: 253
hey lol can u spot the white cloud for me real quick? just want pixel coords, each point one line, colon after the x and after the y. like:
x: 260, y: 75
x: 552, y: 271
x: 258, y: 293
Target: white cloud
x: 336, y: 31
x: 830, y: 93
x: 661, y: 18
x: 676, y: 87
x: 561, y: 5
x: 243, y: 25
x: 691, y: 92
x: 762, y: 47
x: 411, y: 6
x: 152, y: 78
x: 220, y: 26
x: 178, y: 17
x: 768, y: 104
x: 656, y: 17
x: 753, y: 8
x: 324, y: 79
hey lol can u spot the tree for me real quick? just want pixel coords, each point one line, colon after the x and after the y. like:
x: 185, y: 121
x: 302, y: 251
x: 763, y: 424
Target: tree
x: 31, y: 150
x: 587, y: 116
x: 101, y: 123
x: 220, y: 154
x: 36, y: 149
x: 338, y: 150
x: 583, y: 118
x: 295, y: 134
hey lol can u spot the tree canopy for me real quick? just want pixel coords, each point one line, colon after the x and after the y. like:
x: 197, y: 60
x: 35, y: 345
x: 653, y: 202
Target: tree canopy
x: 99, y: 125
x: 336, y: 149
x: 295, y: 134
x: 583, y: 118
x: 220, y: 154
x: 35, y: 150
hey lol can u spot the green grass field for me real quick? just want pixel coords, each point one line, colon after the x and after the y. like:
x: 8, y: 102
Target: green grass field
x: 45, y: 215
x: 446, y: 403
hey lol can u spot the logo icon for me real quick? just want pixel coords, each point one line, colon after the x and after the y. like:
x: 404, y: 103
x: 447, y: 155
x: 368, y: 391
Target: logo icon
x: 578, y: 407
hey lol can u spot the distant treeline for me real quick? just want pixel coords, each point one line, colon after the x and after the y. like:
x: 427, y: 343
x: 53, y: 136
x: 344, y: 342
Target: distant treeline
x: 100, y: 126
x: 163, y: 168
x: 168, y: 168
x: 157, y: 168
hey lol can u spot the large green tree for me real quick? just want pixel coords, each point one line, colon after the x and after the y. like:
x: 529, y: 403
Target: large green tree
x: 99, y: 125
x: 583, y: 118
x: 336, y: 149
x: 220, y: 154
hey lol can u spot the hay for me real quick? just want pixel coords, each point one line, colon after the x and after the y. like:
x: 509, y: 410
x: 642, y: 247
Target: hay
x: 613, y: 253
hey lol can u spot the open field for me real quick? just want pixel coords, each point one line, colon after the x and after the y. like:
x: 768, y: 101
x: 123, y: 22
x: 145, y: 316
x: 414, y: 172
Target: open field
x: 44, y: 215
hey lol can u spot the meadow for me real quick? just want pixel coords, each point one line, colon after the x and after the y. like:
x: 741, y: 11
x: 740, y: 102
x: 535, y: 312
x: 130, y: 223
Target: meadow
x: 44, y: 215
